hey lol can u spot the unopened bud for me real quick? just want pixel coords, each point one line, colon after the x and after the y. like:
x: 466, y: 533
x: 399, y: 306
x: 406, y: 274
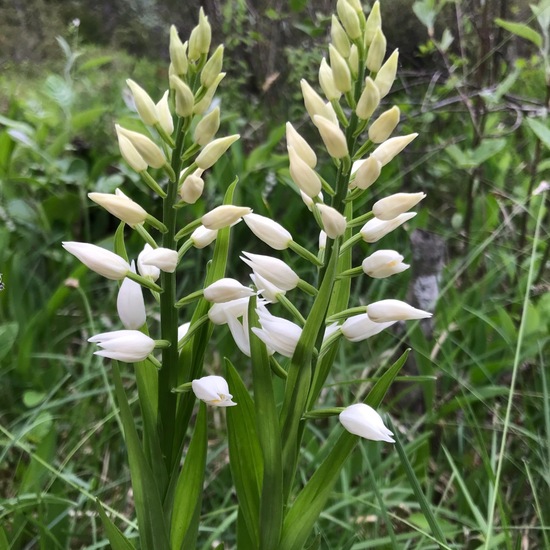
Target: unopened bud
x: 224, y: 216
x: 390, y: 207
x: 185, y: 100
x: 369, y: 100
x: 201, y: 36
x: 308, y: 201
x: 212, y: 68
x: 385, y: 152
x: 374, y: 22
x: 202, y: 236
x: 165, y: 116
x: 377, y: 51
x: 149, y: 151
x: 207, y: 127
x: 340, y: 70
x: 303, y: 175
x: 353, y: 60
x: 382, y: 128
x: 339, y: 37
x: 191, y: 188
x: 300, y: 145
x: 144, y: 104
x: 120, y: 206
x: 178, y: 53
x: 334, y: 224
x: 386, y: 75
x: 332, y: 136
x: 383, y: 263
x: 203, y: 105
x: 349, y: 19
x: 366, y: 173
x: 375, y: 229
x: 214, y: 150
x: 314, y: 103
x: 130, y: 154
x: 326, y: 80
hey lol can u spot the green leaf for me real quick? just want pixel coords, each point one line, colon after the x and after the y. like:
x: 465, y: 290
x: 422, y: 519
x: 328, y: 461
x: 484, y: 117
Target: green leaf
x: 33, y: 398
x: 298, y: 5
x: 95, y: 63
x: 152, y: 526
x: 116, y: 538
x: 188, y: 494
x: 87, y: 118
x: 521, y: 30
x: 119, y: 243
x: 4, y: 544
x: 245, y: 455
x: 8, y: 335
x: 425, y: 12
x: 540, y: 129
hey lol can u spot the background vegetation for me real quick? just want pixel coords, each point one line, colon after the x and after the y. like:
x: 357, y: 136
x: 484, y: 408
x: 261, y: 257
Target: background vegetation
x: 476, y: 415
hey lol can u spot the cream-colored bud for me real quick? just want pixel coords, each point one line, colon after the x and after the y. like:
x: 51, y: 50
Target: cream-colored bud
x: 390, y: 207
x: 224, y: 216
x: 339, y: 37
x: 130, y: 154
x: 308, y: 201
x: 144, y: 104
x: 212, y: 68
x: 375, y: 229
x: 356, y: 5
x: 202, y: 236
x: 377, y: 51
x: 214, y: 150
x: 269, y: 231
x: 366, y: 173
x: 200, y: 38
x: 340, y: 70
x: 203, y: 105
x: 349, y: 19
x: 353, y: 61
x: 207, y: 127
x: 369, y: 100
x: 314, y: 103
x: 386, y: 75
x: 381, y: 129
x: 185, y: 100
x: 326, y: 80
x: 383, y: 263
x: 165, y: 116
x: 178, y: 53
x: 385, y: 152
x: 334, y: 224
x: 120, y: 206
x: 374, y: 22
x: 191, y: 188
x: 226, y: 290
x: 300, y: 145
x: 303, y: 175
x: 322, y: 240
x: 332, y: 136
x: 149, y: 151
x: 386, y: 311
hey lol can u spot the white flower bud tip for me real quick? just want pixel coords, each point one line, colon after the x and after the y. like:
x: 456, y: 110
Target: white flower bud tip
x: 300, y: 145
x: 120, y: 206
x: 385, y: 311
x: 334, y: 223
x: 385, y: 152
x: 128, y: 346
x: 303, y: 175
x: 384, y: 263
x: 390, y: 207
x: 364, y: 421
x: 145, y: 106
x: 332, y: 136
x: 213, y: 390
x: 226, y: 290
x: 147, y: 148
x: 224, y: 216
x: 361, y: 327
x: 106, y: 263
x: 269, y: 231
x: 149, y: 271
x: 274, y: 270
x: 164, y: 259
x: 382, y: 128
x: 130, y: 304
x: 214, y: 150
x: 202, y: 236
x: 375, y: 229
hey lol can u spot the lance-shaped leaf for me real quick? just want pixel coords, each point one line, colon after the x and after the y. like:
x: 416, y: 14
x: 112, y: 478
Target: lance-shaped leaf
x: 116, y: 538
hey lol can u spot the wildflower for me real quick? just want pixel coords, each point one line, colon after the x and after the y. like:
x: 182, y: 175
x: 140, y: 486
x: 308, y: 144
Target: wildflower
x: 334, y: 223
x: 130, y: 304
x: 213, y: 390
x: 384, y: 263
x: 300, y: 145
x: 385, y: 311
x: 369, y: 100
x: 361, y: 327
x: 375, y: 229
x: 145, y: 106
x: 128, y: 346
x: 224, y: 216
x: 274, y: 270
x: 364, y: 421
x: 332, y: 136
x: 202, y: 236
x: 390, y: 207
x: 120, y: 206
x: 149, y: 151
x: 165, y: 259
x: 382, y: 128
x: 226, y: 290
x: 385, y: 152
x: 377, y: 51
x: 150, y: 271
x: 214, y: 150
x: 185, y: 100
x: 303, y: 175
x: 165, y: 116
x: 277, y: 333
x: 386, y: 75
x: 130, y: 154
x: 366, y: 172
x: 269, y: 231
x: 191, y: 188
x: 106, y: 263
x: 207, y: 127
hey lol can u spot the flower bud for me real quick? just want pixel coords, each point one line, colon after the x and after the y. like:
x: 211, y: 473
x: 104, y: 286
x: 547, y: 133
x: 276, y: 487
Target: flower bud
x: 339, y: 37
x: 390, y: 207
x: 213, y: 390
x: 349, y: 19
x: 385, y: 152
x: 267, y: 289
x: 224, y: 216
x: 130, y: 304
x: 308, y: 201
x: 383, y: 263
x: 212, y: 152
x: 326, y: 81
x: 120, y: 206
x: 382, y: 128
x: 130, y: 154
x: 207, y: 127
x: 334, y: 223
x: 165, y: 259
x: 128, y: 346
x: 386, y: 311
x: 220, y: 313
x: 183, y: 330
x: 203, y: 105
x: 144, y: 104
x: 274, y: 270
x: 277, y: 333
x: 332, y: 136
x: 178, y: 53
x: 104, y: 262
x: 164, y: 114
x: 322, y: 240
x: 361, y: 327
x: 200, y: 38
x: 364, y: 421
x: 353, y: 61
x: 202, y: 236
x: 340, y: 70
x: 366, y: 173
x: 212, y: 68
x: 191, y: 188
x: 377, y: 51
x: 314, y: 103
x: 375, y: 229
x: 185, y: 99
x: 369, y: 100
x: 386, y: 75
x: 147, y: 148
x: 269, y: 231
x: 374, y: 23
x: 300, y: 145
x: 302, y: 175
x: 148, y: 271
x: 225, y: 290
